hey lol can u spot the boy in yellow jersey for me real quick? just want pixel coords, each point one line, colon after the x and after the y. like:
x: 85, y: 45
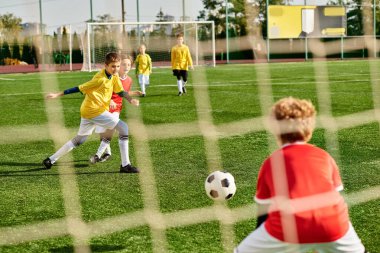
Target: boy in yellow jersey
x: 143, y: 68
x: 95, y: 111
x: 181, y: 61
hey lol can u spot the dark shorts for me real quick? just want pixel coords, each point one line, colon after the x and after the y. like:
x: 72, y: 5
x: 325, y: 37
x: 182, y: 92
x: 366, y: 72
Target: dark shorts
x: 180, y: 73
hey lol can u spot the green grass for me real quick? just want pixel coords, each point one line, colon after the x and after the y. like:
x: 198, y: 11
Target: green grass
x: 30, y: 195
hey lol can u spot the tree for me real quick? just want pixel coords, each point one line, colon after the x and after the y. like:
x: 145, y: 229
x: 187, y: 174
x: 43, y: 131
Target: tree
x: 215, y: 10
x: 16, y: 50
x: 360, y: 16
x: 65, y: 48
x: 26, y: 52
x: 55, y: 44
x: 10, y: 26
x: 77, y: 53
x: 160, y: 16
x: 244, y: 16
x: 103, y: 29
x: 5, y: 50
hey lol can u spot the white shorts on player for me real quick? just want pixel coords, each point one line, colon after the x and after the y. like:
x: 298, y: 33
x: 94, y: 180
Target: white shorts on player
x: 260, y: 241
x: 100, y: 129
x: 106, y: 120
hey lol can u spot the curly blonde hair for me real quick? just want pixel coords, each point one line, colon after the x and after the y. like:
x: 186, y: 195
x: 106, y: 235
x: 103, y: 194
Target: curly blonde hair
x: 293, y: 119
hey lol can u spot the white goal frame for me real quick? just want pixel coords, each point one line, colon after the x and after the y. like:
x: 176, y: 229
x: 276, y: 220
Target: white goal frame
x: 89, y: 66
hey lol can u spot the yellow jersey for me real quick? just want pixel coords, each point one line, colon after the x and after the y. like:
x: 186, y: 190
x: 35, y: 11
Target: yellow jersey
x: 181, y: 57
x: 98, y: 92
x: 143, y: 64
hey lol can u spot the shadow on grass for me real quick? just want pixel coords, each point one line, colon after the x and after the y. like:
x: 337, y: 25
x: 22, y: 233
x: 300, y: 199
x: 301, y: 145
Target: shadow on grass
x: 26, y: 172
x: 94, y: 248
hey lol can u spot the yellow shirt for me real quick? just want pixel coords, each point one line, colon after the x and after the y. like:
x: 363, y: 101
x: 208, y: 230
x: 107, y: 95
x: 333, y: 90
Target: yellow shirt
x: 98, y: 92
x: 181, y: 57
x: 143, y: 64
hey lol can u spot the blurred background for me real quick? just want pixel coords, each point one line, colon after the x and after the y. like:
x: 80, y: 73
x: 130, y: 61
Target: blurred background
x: 39, y: 35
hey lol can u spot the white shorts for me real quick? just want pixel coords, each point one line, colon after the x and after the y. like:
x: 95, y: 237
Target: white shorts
x: 260, y: 241
x: 143, y: 79
x: 106, y: 120
x: 100, y: 129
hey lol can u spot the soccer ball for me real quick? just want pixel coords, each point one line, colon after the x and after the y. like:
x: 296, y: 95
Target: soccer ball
x: 220, y: 185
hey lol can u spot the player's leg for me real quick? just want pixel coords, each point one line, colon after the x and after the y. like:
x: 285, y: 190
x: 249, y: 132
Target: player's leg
x: 104, y: 151
x: 176, y: 73
x: 142, y: 84
x: 66, y: 148
x: 126, y: 166
x: 349, y: 243
x: 85, y: 129
x: 147, y: 81
x: 260, y: 241
x: 184, y: 75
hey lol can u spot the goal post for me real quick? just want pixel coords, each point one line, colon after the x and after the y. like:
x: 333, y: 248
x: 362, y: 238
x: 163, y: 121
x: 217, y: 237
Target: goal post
x: 159, y: 38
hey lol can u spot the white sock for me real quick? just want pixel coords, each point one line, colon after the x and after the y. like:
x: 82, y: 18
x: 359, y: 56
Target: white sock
x: 179, y: 83
x: 124, y: 152
x: 108, y: 150
x: 102, y: 147
x: 142, y: 86
x: 66, y: 148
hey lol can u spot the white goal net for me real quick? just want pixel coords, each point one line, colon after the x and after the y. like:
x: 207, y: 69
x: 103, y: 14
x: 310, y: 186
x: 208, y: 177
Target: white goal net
x: 159, y: 38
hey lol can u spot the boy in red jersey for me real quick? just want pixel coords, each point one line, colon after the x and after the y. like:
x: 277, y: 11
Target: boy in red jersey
x: 116, y: 104
x: 181, y: 61
x: 299, y: 205
x: 95, y: 112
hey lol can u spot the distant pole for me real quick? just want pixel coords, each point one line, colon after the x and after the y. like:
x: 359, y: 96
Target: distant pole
x: 41, y: 26
x: 183, y: 10
x: 138, y: 20
x: 123, y: 14
x: 227, y: 45
x: 138, y: 10
x: 268, y: 46
x: 91, y: 17
x: 374, y: 29
x: 122, y: 11
x: 42, y: 35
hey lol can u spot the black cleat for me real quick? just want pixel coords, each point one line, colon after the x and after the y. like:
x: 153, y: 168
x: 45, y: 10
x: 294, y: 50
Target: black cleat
x: 179, y: 94
x: 47, y: 163
x: 105, y: 157
x: 94, y: 159
x: 184, y: 89
x: 129, y: 169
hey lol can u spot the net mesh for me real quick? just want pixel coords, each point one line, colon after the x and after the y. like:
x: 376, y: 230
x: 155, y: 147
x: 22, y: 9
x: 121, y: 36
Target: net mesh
x: 125, y: 38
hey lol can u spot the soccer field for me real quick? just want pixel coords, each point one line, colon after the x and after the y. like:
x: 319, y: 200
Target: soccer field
x: 176, y: 142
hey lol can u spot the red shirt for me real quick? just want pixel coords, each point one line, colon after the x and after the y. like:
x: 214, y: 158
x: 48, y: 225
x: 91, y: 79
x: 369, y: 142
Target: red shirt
x: 127, y: 83
x: 310, y: 173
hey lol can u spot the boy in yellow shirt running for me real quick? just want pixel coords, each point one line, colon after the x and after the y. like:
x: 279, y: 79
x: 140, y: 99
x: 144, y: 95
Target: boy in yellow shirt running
x: 95, y: 112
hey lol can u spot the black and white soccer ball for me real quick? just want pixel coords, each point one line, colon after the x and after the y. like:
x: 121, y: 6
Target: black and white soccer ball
x: 220, y: 185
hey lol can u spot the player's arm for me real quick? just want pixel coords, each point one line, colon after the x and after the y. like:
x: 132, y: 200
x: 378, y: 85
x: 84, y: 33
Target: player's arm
x: 172, y: 57
x: 150, y: 64
x: 135, y: 93
x: 130, y: 100
x: 113, y: 105
x: 189, y: 59
x: 65, y: 92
